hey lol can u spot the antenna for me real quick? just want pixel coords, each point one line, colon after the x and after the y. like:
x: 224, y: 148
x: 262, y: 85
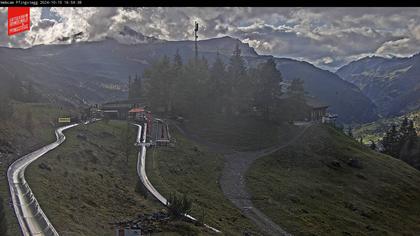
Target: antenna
x: 196, y: 37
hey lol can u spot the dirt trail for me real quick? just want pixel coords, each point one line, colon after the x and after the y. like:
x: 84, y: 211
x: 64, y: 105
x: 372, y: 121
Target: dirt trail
x: 232, y: 181
x: 233, y: 184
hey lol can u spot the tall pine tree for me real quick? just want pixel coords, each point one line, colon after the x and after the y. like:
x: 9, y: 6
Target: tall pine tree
x: 218, y: 83
x: 391, y: 142
x: 268, y: 88
x: 159, y: 85
x: 177, y: 71
x: 239, y: 86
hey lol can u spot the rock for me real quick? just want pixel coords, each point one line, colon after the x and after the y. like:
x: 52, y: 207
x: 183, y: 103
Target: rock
x: 355, y: 163
x: 365, y: 214
x: 360, y: 176
x: 294, y: 199
x: 370, y: 228
x: 350, y: 206
x: 335, y: 163
x: 44, y: 166
x: 82, y: 137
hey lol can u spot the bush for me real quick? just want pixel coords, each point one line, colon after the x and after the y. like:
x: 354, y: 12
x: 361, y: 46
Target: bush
x: 178, y: 206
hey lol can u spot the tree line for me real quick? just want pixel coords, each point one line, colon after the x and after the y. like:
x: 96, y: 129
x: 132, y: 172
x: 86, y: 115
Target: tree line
x: 402, y: 142
x: 194, y: 88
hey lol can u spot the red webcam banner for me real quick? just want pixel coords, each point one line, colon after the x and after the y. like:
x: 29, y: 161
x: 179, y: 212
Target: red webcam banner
x: 18, y: 20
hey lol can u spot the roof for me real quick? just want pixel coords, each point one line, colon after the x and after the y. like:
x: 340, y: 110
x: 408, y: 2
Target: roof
x: 136, y: 110
x: 310, y: 101
x: 127, y: 101
x: 315, y: 103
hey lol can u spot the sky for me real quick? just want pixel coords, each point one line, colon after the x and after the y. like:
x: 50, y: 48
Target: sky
x: 326, y: 37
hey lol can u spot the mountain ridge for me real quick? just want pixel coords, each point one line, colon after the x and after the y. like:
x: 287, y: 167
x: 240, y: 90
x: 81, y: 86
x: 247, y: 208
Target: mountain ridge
x: 391, y: 83
x: 83, y: 67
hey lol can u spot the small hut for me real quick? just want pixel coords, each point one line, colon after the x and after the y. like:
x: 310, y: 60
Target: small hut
x: 318, y: 109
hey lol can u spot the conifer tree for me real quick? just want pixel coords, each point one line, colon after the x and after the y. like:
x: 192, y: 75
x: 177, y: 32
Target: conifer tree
x: 372, y: 145
x: 177, y: 72
x: 296, y: 103
x: 390, y: 142
x: 350, y: 131
x: 130, y: 88
x: 238, y: 85
x: 268, y: 88
x: 218, y: 84
x: 411, y: 132
x: 160, y: 83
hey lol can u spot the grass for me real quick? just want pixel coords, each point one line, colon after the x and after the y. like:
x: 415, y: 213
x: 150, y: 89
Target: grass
x: 191, y: 169
x: 86, y: 183
x: 24, y: 141
x: 242, y: 134
x: 309, y: 188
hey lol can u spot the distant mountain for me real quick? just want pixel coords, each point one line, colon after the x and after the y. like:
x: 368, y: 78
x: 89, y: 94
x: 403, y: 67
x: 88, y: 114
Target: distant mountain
x: 344, y: 98
x: 98, y: 71
x: 393, y: 84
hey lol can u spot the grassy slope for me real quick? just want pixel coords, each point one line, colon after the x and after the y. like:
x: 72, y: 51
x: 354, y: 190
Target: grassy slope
x: 43, y: 116
x: 299, y: 188
x: 194, y: 170
x: 238, y: 133
x: 89, y: 184
x: 376, y: 130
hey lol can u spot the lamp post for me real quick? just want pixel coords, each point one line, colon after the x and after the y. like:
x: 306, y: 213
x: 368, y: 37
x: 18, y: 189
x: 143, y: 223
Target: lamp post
x: 196, y: 37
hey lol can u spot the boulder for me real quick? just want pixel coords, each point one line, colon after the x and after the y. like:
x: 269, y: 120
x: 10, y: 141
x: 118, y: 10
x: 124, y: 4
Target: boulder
x: 355, y: 163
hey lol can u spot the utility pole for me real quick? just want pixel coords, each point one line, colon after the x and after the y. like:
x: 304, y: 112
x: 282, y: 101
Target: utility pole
x: 196, y: 37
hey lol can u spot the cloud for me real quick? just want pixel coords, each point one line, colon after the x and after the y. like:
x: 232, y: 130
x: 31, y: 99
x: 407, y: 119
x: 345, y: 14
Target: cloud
x: 327, y: 37
x: 401, y: 47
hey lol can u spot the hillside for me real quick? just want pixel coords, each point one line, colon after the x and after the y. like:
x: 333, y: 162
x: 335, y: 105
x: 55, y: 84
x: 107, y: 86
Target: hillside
x: 393, y: 84
x: 87, y: 183
x: 98, y: 71
x: 328, y: 184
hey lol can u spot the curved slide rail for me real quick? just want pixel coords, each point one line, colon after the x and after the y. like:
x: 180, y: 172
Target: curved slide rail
x: 141, y: 171
x: 31, y: 218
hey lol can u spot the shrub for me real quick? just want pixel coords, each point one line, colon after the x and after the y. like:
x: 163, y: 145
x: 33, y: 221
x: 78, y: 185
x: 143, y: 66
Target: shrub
x: 178, y: 206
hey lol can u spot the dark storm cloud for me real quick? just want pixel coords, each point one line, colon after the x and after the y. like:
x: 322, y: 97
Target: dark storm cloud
x: 327, y: 37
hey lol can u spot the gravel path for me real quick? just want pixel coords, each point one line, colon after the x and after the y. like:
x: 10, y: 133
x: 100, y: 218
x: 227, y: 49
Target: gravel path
x: 233, y: 185
x: 232, y: 181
